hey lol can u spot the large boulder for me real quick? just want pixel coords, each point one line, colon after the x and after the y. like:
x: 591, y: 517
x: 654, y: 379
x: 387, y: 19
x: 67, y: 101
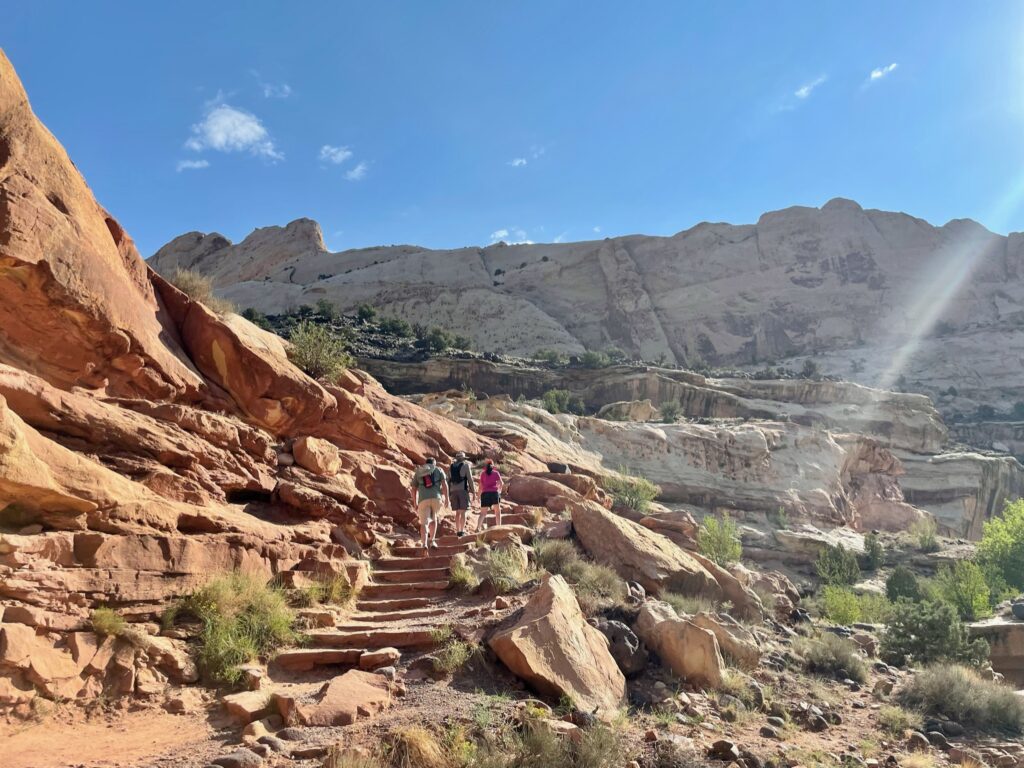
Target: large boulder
x: 744, y: 600
x: 317, y: 455
x: 688, y: 649
x: 536, y: 491
x: 639, y: 554
x: 736, y: 641
x: 551, y: 647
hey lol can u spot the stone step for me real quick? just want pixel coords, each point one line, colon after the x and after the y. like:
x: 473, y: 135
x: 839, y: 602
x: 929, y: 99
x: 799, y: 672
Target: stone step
x: 511, y: 519
x: 419, y: 589
x: 407, y: 563
x: 412, y: 576
x: 382, y: 617
x: 404, y: 637
x: 385, y: 605
x: 305, y: 659
x: 440, y: 551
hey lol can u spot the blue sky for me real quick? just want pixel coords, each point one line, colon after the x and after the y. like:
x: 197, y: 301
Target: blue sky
x: 445, y: 123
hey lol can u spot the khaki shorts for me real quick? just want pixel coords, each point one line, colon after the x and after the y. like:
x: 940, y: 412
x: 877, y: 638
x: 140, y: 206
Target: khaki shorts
x: 429, y: 509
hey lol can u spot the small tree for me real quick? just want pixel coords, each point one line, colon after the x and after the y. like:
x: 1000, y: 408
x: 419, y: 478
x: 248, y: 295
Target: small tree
x: 963, y: 586
x: 366, y: 312
x: 929, y: 631
x: 810, y: 369
x: 326, y: 309
x: 1001, y: 549
x: 318, y: 351
x: 435, y: 340
x: 925, y: 532
x: 902, y: 583
x: 874, y: 553
x: 549, y: 356
x: 394, y: 326
x: 562, y: 401
x: 592, y: 359
x: 256, y: 317
x: 837, y: 565
x: 631, y: 492
x: 719, y: 540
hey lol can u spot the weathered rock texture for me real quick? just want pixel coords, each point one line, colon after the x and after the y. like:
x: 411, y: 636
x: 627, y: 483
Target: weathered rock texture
x: 856, y: 288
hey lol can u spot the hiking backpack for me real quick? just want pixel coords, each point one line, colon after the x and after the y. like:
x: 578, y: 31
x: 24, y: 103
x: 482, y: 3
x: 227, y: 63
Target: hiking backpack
x: 455, y: 476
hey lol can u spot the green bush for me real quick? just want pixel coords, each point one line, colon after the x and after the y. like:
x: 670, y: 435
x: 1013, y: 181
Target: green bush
x: 843, y: 606
x: 328, y: 589
x: 874, y: 552
x: 595, y: 360
x: 549, y: 356
x: 719, y: 540
x: 896, y: 721
x: 200, y: 288
x: 837, y: 565
x: 924, y: 533
x: 107, y: 621
x: 670, y: 411
x: 810, y: 370
x: 318, y: 351
x: 461, y: 577
x: 562, y: 401
x: 926, y: 632
x: 689, y: 604
x: 394, y: 326
x: 902, y: 583
x: 631, y: 492
x: 504, y: 570
x: 452, y: 654
x: 257, y: 318
x: 436, y: 340
x: 832, y: 656
x: 326, y: 309
x: 366, y: 312
x: 243, y: 618
x: 1001, y: 549
x: 779, y: 519
x: 963, y: 586
x: 961, y: 694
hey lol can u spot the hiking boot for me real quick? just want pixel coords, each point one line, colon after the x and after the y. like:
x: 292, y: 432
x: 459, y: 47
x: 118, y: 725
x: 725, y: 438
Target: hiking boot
x: 433, y: 545
x: 460, y: 534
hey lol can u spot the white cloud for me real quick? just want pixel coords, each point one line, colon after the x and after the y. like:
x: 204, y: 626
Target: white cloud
x: 192, y: 165
x: 878, y: 74
x: 336, y: 155
x: 560, y: 238
x: 597, y: 229
x: 807, y: 89
x: 517, y: 162
x: 513, y: 236
x: 276, y: 90
x: 536, y: 151
x: 359, y: 172
x: 226, y: 129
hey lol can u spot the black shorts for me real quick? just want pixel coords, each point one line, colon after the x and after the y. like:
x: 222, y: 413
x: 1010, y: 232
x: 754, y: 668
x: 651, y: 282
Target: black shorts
x: 490, y: 499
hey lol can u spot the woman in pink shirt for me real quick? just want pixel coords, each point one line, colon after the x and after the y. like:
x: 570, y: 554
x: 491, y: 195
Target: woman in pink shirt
x: 490, y: 494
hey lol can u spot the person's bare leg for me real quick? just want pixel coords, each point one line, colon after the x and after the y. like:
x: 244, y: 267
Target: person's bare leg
x: 460, y: 520
x: 424, y: 532
x: 433, y: 531
x: 497, y: 514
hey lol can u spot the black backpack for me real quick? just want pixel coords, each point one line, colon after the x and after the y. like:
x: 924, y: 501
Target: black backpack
x: 455, y: 476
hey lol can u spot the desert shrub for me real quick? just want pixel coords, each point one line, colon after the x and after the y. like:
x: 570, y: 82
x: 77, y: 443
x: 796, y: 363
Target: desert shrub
x: 832, y: 656
x: 896, y: 721
x: 963, y: 586
x: 366, y: 312
x: 874, y: 608
x: 328, y: 589
x: 504, y: 570
x: 537, y: 746
x: 107, y: 621
x: 927, y: 632
x: 562, y: 401
x: 874, y: 552
x: 719, y: 540
x: 592, y: 359
x: 461, y: 577
x: 689, y: 604
x: 902, y: 583
x: 200, y: 288
x: 326, y: 309
x: 631, y: 492
x: 452, y: 653
x: 924, y: 533
x: 549, y: 356
x: 810, y: 370
x: 840, y: 604
x: 256, y: 317
x: 837, y: 565
x: 779, y: 519
x: 670, y: 411
x: 435, y: 340
x: 1001, y: 549
x: 341, y: 756
x: 596, y: 586
x: 394, y: 326
x: 243, y: 618
x: 960, y: 693
x: 318, y: 351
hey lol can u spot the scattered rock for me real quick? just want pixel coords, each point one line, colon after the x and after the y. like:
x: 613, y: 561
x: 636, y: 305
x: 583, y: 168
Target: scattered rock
x: 724, y: 750
x: 626, y: 648
x: 917, y: 741
x: 383, y: 657
x: 240, y: 758
x: 689, y: 650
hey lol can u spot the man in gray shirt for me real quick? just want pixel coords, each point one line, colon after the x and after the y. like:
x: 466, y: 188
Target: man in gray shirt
x: 429, y: 489
x: 460, y: 490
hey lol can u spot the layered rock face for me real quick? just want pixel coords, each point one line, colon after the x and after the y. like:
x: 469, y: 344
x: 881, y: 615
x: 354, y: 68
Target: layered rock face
x: 878, y: 297
x: 147, y: 443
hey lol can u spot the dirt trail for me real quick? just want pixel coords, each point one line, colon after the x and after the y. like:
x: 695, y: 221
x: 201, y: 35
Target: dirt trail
x: 65, y: 739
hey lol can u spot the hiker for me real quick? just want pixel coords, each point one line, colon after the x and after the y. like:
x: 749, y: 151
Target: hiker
x: 460, y: 490
x: 490, y: 494
x: 429, y: 489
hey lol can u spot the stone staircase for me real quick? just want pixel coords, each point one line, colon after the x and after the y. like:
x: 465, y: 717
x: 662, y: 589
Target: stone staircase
x: 402, y: 607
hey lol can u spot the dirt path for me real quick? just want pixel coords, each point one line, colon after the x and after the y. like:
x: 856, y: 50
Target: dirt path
x: 123, y: 741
